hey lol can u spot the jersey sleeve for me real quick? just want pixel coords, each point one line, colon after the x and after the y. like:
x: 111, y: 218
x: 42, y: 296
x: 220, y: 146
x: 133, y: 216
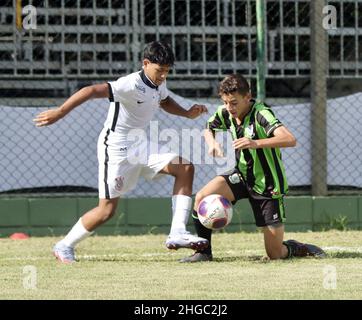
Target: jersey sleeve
x: 120, y: 89
x: 219, y: 121
x: 267, y: 119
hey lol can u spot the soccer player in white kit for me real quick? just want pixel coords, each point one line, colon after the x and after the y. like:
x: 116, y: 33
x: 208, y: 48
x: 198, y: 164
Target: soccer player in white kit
x: 123, y: 158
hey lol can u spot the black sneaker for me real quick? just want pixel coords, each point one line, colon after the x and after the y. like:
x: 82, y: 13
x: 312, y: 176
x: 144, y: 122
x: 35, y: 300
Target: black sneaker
x: 298, y: 249
x: 197, y: 257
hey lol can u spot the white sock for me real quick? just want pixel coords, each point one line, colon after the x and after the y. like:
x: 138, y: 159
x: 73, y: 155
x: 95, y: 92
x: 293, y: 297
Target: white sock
x: 76, y: 234
x: 181, y: 206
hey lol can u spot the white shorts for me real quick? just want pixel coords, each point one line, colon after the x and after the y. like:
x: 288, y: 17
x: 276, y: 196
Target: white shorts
x: 119, y: 167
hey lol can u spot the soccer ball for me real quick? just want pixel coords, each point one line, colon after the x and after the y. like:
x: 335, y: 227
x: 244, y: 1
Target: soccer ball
x: 215, y: 212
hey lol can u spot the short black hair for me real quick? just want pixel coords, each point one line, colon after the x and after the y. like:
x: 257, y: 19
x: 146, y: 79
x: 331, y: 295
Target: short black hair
x: 159, y: 52
x: 234, y: 83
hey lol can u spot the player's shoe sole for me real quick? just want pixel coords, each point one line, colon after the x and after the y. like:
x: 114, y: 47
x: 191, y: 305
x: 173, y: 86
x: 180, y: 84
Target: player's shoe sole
x: 62, y: 260
x: 197, y: 246
x: 186, y: 240
x: 197, y: 257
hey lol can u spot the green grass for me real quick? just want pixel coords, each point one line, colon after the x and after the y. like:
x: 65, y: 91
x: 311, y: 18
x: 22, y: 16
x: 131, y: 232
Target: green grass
x: 140, y: 267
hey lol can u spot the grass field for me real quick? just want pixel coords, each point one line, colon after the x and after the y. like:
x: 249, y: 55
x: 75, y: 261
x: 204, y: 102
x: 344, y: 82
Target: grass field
x: 140, y: 267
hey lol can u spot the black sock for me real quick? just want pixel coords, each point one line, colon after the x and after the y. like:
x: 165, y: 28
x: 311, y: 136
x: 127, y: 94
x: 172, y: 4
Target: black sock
x: 202, y: 232
x: 290, y: 250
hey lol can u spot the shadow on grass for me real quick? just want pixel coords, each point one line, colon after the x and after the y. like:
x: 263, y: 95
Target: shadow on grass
x: 122, y: 259
x: 246, y: 258
x: 256, y: 258
x: 344, y: 255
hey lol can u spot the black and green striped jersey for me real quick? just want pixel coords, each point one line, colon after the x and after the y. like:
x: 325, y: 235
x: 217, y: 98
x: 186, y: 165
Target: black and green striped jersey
x: 262, y: 169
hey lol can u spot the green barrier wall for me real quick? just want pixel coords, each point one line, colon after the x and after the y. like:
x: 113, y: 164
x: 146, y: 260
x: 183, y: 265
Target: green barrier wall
x: 54, y: 216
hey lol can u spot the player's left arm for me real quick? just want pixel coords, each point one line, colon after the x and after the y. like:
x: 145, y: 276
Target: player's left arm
x: 171, y: 106
x: 281, y: 138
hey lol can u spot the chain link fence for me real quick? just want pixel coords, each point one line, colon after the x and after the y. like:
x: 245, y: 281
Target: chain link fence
x: 51, y: 48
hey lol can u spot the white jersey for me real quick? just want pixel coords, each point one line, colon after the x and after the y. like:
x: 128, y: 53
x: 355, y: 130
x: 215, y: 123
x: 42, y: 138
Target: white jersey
x: 134, y: 99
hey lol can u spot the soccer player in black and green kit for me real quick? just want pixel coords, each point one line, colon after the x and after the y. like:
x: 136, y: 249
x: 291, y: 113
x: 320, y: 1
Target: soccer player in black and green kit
x: 259, y: 174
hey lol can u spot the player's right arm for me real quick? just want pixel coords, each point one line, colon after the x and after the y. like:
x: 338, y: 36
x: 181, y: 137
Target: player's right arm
x: 215, y: 149
x: 49, y: 117
x: 214, y: 124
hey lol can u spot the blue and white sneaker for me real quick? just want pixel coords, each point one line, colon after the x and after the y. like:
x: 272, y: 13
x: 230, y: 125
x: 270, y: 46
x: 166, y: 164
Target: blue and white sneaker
x: 186, y: 240
x: 64, y: 253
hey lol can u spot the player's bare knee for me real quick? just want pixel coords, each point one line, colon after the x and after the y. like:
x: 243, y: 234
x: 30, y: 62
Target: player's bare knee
x: 189, y: 169
x: 198, y: 197
x: 274, y: 254
x: 185, y: 170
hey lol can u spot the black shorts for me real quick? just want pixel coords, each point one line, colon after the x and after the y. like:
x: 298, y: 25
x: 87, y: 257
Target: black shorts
x: 267, y: 211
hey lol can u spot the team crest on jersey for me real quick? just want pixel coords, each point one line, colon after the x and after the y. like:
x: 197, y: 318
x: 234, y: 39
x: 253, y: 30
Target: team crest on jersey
x: 249, y: 132
x: 140, y: 88
x: 157, y: 96
x: 119, y: 183
x: 234, y: 178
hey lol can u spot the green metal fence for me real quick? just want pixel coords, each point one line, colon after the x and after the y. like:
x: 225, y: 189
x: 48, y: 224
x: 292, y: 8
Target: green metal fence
x: 305, y: 57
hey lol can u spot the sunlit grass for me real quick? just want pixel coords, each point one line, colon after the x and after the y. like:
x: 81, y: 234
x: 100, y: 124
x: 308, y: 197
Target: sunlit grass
x: 140, y: 267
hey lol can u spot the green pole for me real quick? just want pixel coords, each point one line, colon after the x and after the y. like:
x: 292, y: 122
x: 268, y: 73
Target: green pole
x: 260, y: 49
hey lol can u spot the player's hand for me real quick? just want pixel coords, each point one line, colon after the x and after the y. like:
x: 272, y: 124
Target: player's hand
x: 196, y: 110
x: 245, y: 143
x: 216, y: 150
x: 48, y: 117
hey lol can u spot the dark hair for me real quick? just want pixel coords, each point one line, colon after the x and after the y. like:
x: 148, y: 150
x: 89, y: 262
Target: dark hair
x: 234, y: 83
x: 159, y: 52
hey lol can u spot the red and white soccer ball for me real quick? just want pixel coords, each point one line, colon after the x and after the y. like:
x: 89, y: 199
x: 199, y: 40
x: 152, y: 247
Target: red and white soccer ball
x: 215, y: 212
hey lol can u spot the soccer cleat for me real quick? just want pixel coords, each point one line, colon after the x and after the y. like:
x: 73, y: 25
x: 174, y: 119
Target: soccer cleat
x: 298, y: 249
x: 197, y: 257
x: 64, y: 253
x: 186, y: 240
